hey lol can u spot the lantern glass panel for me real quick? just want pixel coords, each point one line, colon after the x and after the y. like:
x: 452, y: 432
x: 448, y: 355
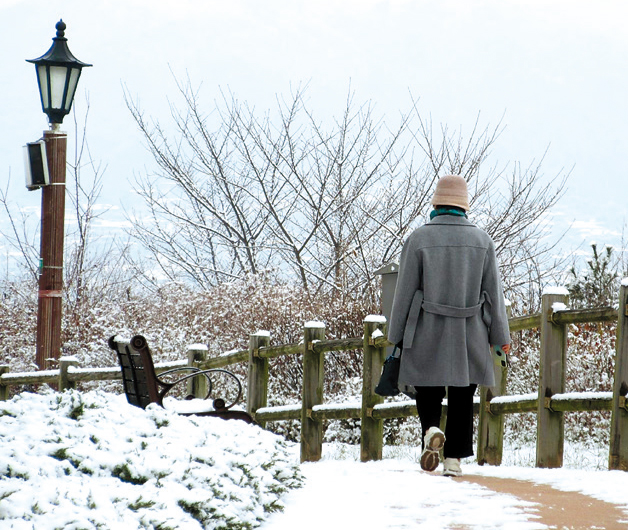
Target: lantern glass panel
x: 57, y: 86
x: 42, y: 74
x: 73, y: 81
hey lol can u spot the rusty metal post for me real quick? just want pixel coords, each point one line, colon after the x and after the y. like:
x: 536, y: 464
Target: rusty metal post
x: 51, y: 258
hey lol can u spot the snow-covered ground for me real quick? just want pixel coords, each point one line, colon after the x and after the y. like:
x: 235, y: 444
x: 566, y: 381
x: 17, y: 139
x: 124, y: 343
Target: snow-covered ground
x: 392, y: 494
x: 341, y: 492
x: 90, y: 460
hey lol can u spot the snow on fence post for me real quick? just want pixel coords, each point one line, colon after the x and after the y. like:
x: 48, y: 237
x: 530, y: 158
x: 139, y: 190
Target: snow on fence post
x: 197, y: 386
x: 550, y: 424
x: 64, y: 364
x: 372, y: 430
x: 618, y: 446
x: 312, y: 393
x: 4, y: 389
x: 491, y: 426
x: 257, y: 382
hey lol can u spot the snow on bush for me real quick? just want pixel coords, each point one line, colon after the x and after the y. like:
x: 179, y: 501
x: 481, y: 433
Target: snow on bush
x: 91, y: 460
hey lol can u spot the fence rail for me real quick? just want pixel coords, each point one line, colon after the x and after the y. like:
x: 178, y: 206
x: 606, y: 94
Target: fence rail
x: 550, y: 403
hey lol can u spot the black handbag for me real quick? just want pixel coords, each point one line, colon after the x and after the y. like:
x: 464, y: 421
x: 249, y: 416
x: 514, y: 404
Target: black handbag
x: 389, y: 379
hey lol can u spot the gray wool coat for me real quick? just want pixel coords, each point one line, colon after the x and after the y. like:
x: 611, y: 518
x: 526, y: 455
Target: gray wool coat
x: 449, y: 305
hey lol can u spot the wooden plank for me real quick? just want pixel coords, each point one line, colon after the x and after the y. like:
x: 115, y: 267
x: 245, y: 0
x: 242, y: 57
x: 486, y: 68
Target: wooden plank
x: 580, y: 404
x: 65, y: 383
x: 337, y: 413
x: 4, y: 389
x: 513, y: 407
x: 98, y: 374
x: 312, y: 394
x: 400, y: 409
x: 335, y: 345
x: 30, y: 378
x: 257, y: 381
x: 618, y: 450
x: 197, y: 386
x: 582, y: 316
x: 491, y: 426
x: 550, y: 423
x: 524, y: 322
x: 270, y: 352
x: 225, y: 360
x: 372, y: 429
x: 278, y: 414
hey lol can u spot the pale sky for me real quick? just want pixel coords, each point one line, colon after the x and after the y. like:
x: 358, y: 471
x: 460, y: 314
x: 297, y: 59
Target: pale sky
x: 555, y: 70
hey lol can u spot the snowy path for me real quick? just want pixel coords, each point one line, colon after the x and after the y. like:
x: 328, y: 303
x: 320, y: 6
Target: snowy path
x: 397, y: 494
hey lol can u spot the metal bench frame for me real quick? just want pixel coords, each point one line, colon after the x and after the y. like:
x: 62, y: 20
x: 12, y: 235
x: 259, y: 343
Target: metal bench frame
x: 142, y: 386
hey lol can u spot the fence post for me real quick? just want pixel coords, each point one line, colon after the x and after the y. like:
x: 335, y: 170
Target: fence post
x: 491, y: 426
x: 257, y: 387
x: 197, y: 386
x: 618, y: 451
x: 313, y: 380
x: 4, y: 389
x: 64, y: 381
x: 550, y: 424
x: 372, y: 435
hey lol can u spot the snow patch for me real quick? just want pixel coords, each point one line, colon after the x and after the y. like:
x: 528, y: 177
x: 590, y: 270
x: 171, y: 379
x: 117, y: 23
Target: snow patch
x: 69, y: 358
x: 380, y: 319
x: 515, y: 399
x: 230, y: 352
x: 282, y: 408
x: 582, y: 395
x: 558, y: 306
x: 202, y: 347
x: 556, y: 290
x: 337, y: 406
x: 314, y: 324
x: 376, y: 334
x: 91, y: 460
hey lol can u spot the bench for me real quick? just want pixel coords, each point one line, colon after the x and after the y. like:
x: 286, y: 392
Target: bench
x: 142, y: 386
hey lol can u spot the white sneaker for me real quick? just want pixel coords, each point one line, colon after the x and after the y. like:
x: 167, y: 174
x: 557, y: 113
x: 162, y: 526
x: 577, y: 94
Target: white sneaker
x: 434, y: 442
x: 452, y: 467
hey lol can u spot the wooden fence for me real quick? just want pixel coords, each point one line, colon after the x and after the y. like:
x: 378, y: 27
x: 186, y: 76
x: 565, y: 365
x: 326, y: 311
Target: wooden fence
x: 550, y: 403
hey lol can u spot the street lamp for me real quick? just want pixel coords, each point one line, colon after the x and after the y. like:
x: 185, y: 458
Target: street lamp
x: 58, y: 72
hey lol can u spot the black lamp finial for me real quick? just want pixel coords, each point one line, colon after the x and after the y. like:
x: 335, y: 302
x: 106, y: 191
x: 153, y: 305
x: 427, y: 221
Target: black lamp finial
x: 60, y: 27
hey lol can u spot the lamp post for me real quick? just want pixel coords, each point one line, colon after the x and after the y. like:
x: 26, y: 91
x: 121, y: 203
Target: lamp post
x: 58, y: 72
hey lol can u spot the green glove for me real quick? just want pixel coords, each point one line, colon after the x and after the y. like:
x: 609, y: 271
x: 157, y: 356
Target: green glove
x: 500, y: 355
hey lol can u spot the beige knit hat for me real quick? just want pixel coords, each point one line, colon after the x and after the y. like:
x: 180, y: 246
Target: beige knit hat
x: 451, y: 190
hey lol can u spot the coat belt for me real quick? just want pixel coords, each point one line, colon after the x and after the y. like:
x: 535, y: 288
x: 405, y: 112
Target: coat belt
x: 451, y: 311
x: 439, y: 309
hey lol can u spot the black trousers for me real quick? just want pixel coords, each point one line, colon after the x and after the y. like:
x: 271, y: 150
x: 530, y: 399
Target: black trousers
x: 459, y: 427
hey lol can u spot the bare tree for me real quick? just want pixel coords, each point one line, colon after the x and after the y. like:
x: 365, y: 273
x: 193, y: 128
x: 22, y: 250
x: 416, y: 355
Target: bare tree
x: 512, y: 203
x: 21, y: 236
x: 236, y: 192
x: 93, y: 264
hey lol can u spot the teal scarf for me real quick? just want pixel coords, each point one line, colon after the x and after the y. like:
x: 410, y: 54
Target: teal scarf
x: 450, y: 210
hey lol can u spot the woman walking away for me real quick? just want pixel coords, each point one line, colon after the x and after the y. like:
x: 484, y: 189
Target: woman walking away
x: 448, y: 313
